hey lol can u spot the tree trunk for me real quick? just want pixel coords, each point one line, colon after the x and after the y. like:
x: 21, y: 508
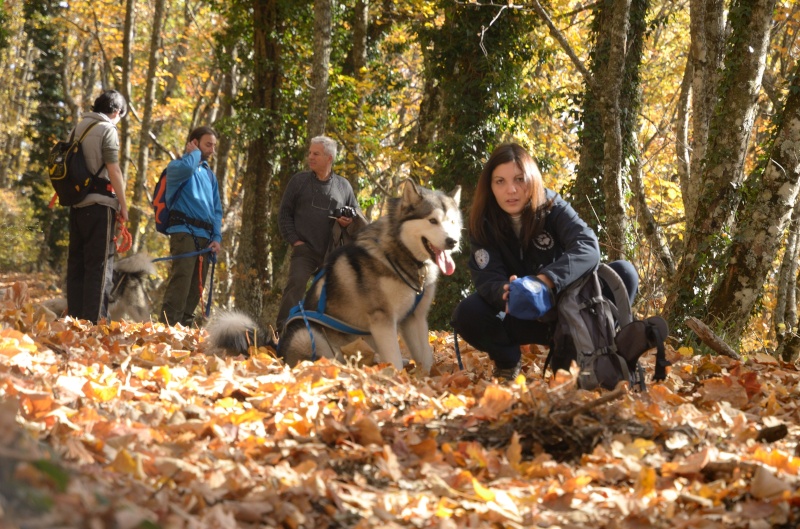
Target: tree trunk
x: 707, y: 27
x: 784, y: 317
x: 253, y: 270
x: 360, y: 26
x: 771, y: 195
x: 136, y: 216
x: 128, y: 33
x: 705, y: 242
x: 611, y: 80
x: 224, y: 147
x: 683, y: 151
x: 610, y: 112
x: 318, y: 101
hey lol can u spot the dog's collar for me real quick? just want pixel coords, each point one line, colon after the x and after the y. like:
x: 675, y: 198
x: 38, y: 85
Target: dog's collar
x: 422, y: 274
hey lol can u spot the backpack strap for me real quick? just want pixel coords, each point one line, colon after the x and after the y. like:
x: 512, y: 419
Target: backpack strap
x: 654, y: 333
x: 621, y: 300
x: 99, y: 186
x: 85, y: 132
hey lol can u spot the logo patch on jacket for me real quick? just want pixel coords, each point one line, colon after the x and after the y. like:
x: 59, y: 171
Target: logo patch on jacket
x: 543, y: 241
x: 481, y: 258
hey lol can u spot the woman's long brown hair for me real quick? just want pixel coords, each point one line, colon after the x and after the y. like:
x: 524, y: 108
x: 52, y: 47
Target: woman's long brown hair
x: 487, y: 220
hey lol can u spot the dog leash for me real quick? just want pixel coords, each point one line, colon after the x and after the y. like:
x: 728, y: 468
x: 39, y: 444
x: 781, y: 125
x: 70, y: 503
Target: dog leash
x: 213, y: 259
x: 124, y: 240
x: 310, y: 333
x: 458, y: 351
x: 182, y: 255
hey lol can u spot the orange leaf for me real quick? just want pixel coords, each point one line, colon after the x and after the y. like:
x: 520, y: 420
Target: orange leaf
x: 724, y: 388
x: 514, y: 452
x: 482, y: 492
x: 495, y: 400
x: 646, y: 482
x: 125, y: 463
x: 99, y: 392
x: 368, y: 432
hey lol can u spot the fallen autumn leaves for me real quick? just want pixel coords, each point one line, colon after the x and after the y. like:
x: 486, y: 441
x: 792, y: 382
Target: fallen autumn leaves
x: 132, y: 425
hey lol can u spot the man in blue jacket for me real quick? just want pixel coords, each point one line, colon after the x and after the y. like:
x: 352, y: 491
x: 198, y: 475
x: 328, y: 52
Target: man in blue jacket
x: 195, y: 223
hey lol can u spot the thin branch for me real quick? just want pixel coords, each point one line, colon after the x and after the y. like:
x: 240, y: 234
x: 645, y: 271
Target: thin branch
x: 554, y: 31
x: 484, y: 29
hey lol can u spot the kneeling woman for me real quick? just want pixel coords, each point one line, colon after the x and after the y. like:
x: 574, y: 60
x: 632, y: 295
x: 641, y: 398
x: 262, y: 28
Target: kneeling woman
x: 520, y: 229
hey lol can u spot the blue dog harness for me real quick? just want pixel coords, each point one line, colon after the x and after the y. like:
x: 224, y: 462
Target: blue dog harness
x: 319, y: 316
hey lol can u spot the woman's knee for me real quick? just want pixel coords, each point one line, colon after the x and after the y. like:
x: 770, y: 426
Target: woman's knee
x: 627, y: 272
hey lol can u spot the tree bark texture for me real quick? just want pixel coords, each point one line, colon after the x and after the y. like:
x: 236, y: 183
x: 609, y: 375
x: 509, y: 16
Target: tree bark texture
x: 128, y: 33
x: 252, y: 278
x: 136, y: 217
x: 707, y: 28
x: 609, y: 116
x: 683, y: 151
x: 766, y: 211
x: 784, y: 317
x: 360, y: 26
x: 707, y: 238
x: 611, y: 80
x: 318, y: 101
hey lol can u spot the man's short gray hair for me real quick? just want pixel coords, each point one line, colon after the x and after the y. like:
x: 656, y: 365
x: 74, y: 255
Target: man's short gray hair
x: 329, y: 144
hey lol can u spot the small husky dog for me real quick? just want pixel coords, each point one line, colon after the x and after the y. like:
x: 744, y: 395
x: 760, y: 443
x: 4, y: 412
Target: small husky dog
x: 382, y: 282
x: 129, y: 299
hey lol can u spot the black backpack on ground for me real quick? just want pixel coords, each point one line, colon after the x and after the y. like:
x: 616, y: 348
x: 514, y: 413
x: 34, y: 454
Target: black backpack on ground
x: 69, y: 174
x: 602, y: 336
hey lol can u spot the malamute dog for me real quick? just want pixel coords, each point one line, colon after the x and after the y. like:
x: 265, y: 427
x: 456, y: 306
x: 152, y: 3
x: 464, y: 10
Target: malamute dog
x: 382, y: 283
x: 129, y: 299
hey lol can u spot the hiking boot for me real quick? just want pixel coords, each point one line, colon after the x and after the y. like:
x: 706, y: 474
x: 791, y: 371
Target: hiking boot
x: 507, y: 374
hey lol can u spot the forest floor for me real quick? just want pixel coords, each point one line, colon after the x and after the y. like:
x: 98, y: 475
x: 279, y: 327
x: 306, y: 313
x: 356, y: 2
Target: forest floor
x: 133, y: 425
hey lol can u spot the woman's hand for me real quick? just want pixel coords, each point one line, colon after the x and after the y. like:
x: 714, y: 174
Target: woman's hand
x: 506, y: 288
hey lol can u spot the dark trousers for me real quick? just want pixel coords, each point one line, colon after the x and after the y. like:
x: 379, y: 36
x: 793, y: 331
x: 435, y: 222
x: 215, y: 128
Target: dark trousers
x: 90, y: 262
x: 482, y: 327
x: 187, y: 278
x: 304, y: 262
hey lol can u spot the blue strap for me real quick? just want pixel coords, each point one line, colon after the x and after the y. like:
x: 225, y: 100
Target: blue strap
x: 182, y: 255
x: 319, y: 316
x: 177, y: 194
x: 213, y: 259
x: 310, y: 333
x: 323, y: 319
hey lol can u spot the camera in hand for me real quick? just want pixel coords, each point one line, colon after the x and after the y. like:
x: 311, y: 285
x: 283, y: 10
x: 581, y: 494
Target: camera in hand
x: 344, y: 211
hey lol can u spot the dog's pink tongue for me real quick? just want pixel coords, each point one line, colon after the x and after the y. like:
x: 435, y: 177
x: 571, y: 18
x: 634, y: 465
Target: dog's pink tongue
x: 445, y: 262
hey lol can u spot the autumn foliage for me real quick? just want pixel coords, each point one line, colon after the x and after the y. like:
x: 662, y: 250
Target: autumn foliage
x: 132, y: 425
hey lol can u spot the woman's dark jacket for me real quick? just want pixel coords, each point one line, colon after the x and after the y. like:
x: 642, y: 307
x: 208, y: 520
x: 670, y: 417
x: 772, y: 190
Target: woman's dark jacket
x: 564, y: 251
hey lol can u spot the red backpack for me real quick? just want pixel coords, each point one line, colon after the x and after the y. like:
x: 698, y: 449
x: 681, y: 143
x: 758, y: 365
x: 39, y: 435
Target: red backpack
x: 160, y: 206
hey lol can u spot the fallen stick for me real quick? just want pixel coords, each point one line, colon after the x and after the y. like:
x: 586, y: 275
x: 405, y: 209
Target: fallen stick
x: 708, y: 337
x: 620, y: 390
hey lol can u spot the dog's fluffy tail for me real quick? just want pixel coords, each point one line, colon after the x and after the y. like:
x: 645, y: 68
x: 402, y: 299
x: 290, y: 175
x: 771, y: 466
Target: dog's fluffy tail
x: 235, y: 332
x: 136, y: 264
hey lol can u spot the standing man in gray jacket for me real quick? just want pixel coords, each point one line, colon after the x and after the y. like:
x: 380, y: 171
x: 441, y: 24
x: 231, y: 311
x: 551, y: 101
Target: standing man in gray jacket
x: 92, y: 222
x: 309, y: 208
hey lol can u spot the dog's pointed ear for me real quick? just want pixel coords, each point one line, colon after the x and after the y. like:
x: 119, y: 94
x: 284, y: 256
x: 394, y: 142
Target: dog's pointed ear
x: 411, y: 192
x: 455, y: 194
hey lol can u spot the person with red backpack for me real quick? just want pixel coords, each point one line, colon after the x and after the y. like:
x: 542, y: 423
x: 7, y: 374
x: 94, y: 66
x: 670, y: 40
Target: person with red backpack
x: 195, y: 224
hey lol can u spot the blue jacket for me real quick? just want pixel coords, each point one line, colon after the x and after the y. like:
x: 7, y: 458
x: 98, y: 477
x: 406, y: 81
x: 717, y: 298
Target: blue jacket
x: 566, y: 250
x: 199, y: 198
